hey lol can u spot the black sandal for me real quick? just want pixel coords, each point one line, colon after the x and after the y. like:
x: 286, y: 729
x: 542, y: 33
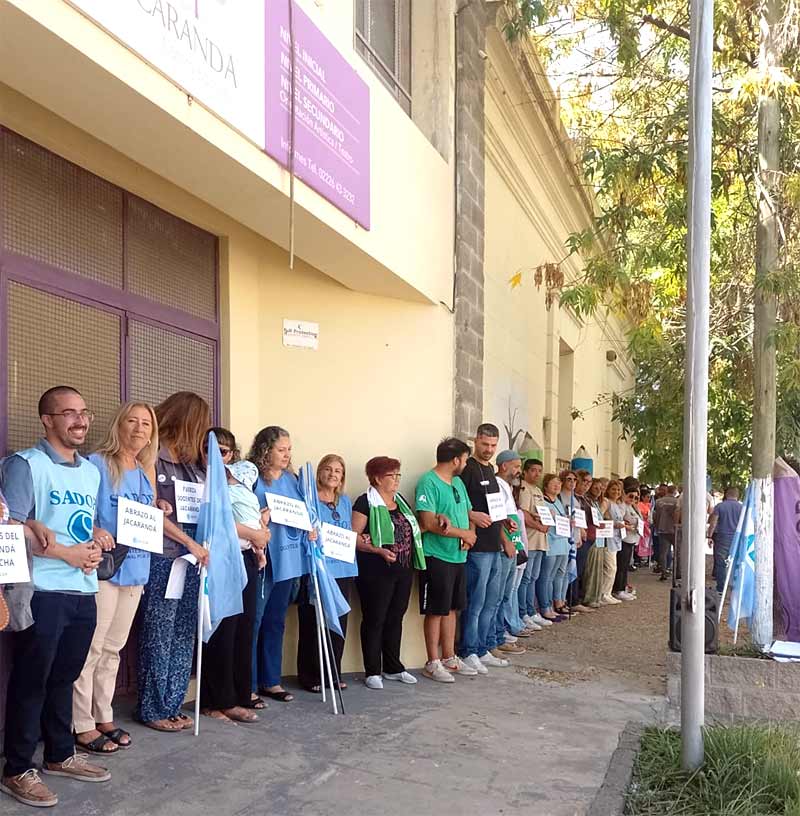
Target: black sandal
x: 280, y: 696
x: 96, y: 746
x: 256, y: 703
x: 116, y: 736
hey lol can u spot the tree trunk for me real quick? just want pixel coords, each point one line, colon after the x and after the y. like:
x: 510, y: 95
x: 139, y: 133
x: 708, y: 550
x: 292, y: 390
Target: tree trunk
x: 764, y: 321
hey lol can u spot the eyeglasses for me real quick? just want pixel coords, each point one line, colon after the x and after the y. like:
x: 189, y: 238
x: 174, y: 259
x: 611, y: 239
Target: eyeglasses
x: 71, y: 415
x: 391, y: 475
x: 334, y: 512
x: 570, y: 479
x: 634, y: 495
x: 222, y: 449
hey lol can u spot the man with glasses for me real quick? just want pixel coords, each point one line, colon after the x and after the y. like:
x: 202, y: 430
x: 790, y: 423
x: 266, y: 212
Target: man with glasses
x: 442, y: 497
x: 53, y: 490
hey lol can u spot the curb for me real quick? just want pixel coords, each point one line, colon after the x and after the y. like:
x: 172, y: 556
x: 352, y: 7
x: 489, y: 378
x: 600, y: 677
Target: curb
x: 610, y: 799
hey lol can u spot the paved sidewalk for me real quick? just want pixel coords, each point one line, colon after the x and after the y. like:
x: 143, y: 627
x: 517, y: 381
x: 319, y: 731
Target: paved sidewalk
x: 522, y: 740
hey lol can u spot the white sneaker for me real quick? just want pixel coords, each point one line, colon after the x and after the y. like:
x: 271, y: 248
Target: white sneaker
x: 496, y: 662
x: 610, y: 599
x: 373, y: 682
x: 625, y: 596
x: 534, y: 627
x: 455, y: 665
x: 510, y: 638
x: 436, y: 671
x: 474, y: 662
x: 403, y: 677
x: 528, y: 620
x: 540, y: 621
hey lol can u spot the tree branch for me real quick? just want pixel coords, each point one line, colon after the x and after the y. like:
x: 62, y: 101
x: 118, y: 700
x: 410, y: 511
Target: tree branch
x: 683, y: 33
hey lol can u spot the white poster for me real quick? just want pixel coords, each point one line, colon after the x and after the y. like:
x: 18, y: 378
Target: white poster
x: 563, y: 527
x: 140, y: 526
x: 545, y: 516
x: 496, y: 503
x: 212, y: 49
x: 188, y: 498
x: 640, y: 527
x: 597, y: 516
x: 301, y: 334
x: 605, y: 529
x: 177, y: 577
x: 580, y: 518
x: 338, y: 543
x: 13, y: 555
x: 289, y: 512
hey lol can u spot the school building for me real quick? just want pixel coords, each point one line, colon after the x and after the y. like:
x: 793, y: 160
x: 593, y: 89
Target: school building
x: 155, y: 234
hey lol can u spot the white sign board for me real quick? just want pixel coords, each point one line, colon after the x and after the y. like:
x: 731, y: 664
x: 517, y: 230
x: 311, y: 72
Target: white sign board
x: 496, y: 503
x: 289, y: 512
x: 597, y: 516
x: 212, y: 49
x: 188, y: 498
x: 177, y: 577
x: 605, y: 530
x: 338, y: 543
x: 640, y: 527
x: 563, y: 527
x: 545, y: 516
x: 580, y: 518
x: 140, y: 526
x: 13, y: 555
x: 301, y: 334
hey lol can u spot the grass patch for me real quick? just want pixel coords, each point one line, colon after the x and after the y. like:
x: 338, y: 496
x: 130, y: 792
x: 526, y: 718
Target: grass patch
x: 744, y: 649
x: 750, y: 770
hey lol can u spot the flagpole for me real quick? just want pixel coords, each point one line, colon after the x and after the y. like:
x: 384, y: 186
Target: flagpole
x: 321, y: 617
x: 319, y: 648
x: 732, y: 557
x: 338, y: 689
x: 201, y: 600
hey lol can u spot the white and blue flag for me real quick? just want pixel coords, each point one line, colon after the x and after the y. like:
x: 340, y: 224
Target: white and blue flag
x: 743, y: 554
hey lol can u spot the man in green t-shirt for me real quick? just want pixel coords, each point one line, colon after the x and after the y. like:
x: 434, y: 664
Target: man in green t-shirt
x: 443, y: 508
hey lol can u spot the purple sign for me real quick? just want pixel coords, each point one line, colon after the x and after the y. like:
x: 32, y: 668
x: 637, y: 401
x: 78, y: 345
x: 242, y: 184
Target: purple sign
x: 332, y: 129
x: 787, y: 548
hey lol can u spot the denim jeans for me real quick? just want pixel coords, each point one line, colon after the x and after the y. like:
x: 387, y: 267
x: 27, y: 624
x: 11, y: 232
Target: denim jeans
x: 507, y: 573
x: 527, y: 587
x: 511, y: 609
x: 722, y: 550
x: 272, y: 603
x: 552, y: 583
x: 483, y: 593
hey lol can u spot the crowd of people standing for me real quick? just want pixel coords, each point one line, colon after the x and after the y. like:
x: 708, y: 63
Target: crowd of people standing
x: 499, y: 552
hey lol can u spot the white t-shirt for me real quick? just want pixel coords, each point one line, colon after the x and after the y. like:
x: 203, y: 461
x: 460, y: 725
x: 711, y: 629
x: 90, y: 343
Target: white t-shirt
x: 505, y: 489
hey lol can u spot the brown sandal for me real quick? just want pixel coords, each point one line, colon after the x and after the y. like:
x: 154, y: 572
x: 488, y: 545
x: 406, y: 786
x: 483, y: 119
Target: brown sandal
x: 5, y: 615
x: 241, y: 714
x: 166, y: 726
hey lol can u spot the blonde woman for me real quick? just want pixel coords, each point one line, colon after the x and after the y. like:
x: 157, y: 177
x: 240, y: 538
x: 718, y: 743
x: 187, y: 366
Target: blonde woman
x: 615, y: 512
x: 126, y: 461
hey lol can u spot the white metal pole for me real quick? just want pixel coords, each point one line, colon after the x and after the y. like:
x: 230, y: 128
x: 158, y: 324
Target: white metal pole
x: 328, y: 657
x: 696, y: 405
x: 201, y: 602
x: 320, y: 641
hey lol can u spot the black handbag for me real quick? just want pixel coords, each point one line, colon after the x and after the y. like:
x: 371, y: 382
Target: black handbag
x: 111, y: 562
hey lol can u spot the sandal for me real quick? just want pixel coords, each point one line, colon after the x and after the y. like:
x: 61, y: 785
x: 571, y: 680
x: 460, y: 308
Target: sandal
x: 255, y: 702
x: 182, y: 720
x: 240, y: 714
x: 5, y: 615
x: 117, y: 736
x: 97, y: 745
x: 168, y: 725
x: 281, y: 696
x: 216, y: 714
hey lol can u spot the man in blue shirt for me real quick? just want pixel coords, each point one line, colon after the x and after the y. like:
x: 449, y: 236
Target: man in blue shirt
x: 53, y: 490
x: 721, y: 529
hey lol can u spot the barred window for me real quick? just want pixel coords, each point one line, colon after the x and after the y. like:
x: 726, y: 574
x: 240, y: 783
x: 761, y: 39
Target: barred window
x: 383, y: 38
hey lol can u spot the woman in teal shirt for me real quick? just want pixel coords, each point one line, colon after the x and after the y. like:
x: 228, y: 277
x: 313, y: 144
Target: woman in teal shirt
x: 551, y: 586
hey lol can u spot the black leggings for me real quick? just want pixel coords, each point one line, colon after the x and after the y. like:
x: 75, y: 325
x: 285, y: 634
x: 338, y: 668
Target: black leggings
x: 623, y: 562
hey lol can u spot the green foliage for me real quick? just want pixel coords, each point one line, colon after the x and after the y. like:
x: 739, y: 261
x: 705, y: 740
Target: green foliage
x: 751, y: 770
x: 625, y: 104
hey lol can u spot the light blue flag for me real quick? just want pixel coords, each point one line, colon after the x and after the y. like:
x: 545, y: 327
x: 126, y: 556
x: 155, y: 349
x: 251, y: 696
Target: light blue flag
x: 572, y: 563
x: 216, y: 529
x: 743, y: 548
x: 334, y: 604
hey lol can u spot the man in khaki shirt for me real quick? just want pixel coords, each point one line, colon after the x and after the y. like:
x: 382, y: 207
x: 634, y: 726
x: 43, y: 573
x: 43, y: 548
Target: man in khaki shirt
x: 530, y: 494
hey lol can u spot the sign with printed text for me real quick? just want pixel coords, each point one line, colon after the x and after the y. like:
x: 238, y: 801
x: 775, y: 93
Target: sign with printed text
x: 140, y: 526
x: 13, y: 555
x: 300, y: 334
x: 288, y: 512
x: 331, y: 112
x: 213, y: 50
x: 563, y: 527
x: 545, y: 516
x: 597, y: 516
x: 580, y: 518
x: 605, y: 529
x: 188, y: 498
x: 640, y: 527
x: 496, y: 504
x: 338, y: 543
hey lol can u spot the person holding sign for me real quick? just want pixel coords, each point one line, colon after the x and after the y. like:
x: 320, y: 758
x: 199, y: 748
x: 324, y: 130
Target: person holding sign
x: 596, y: 546
x: 551, y: 588
x: 630, y: 537
x: 581, y: 520
x: 126, y: 461
x: 447, y: 534
x: 52, y: 489
x: 389, y: 548
x: 335, y: 509
x: 168, y: 625
x: 271, y: 453
x: 615, y: 513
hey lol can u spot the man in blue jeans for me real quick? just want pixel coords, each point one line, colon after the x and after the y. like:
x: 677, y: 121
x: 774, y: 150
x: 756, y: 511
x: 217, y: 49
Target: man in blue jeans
x: 721, y: 530
x: 53, y: 489
x: 483, y: 560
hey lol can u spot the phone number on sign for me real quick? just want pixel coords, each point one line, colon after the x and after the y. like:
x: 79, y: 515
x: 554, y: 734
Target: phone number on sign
x: 340, y: 189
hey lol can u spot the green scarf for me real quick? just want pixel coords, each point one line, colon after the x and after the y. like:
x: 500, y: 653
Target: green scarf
x: 381, y: 528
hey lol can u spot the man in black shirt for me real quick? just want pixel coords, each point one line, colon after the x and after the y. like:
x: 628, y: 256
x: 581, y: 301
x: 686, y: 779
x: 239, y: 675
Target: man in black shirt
x: 483, y: 560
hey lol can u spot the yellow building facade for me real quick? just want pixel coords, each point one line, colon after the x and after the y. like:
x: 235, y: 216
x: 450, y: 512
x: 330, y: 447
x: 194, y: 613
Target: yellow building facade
x: 92, y: 125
